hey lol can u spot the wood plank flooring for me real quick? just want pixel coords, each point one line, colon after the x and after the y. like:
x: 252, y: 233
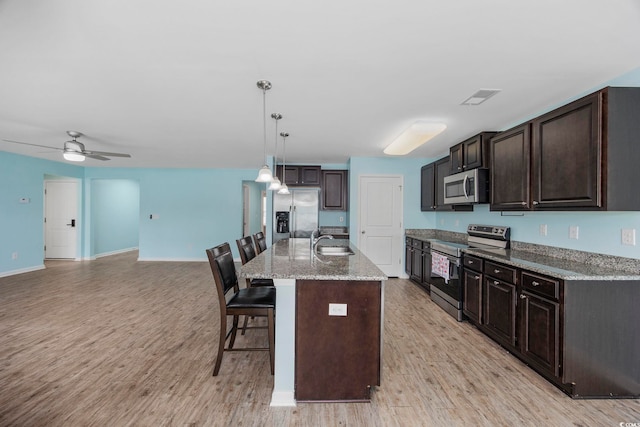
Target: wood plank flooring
x: 115, y: 342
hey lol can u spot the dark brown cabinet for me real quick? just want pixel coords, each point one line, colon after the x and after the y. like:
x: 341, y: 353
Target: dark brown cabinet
x: 582, y: 156
x: 335, y: 188
x: 432, y: 188
x: 337, y: 357
x: 300, y: 175
x: 564, y: 329
x: 472, y: 288
x: 428, y: 187
x: 470, y: 154
x: 418, y: 261
x: 510, y: 169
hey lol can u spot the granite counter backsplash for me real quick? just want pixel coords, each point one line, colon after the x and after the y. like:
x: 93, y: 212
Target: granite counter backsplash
x: 567, y: 263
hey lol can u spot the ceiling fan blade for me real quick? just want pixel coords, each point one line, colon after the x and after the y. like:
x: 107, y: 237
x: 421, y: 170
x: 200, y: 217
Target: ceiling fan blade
x: 95, y: 156
x: 106, y: 153
x: 34, y: 145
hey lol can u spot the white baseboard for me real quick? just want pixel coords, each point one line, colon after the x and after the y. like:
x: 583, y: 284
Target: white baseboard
x: 119, y: 251
x: 22, y: 270
x: 282, y: 398
x: 174, y: 259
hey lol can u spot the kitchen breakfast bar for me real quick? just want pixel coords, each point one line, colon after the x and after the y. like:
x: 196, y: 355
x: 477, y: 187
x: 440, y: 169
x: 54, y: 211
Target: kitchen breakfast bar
x: 329, y: 320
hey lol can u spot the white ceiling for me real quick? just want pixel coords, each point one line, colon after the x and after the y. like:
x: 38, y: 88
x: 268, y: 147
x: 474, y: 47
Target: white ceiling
x: 174, y: 83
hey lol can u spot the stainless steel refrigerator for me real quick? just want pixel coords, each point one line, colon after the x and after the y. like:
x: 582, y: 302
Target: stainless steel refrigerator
x: 295, y: 214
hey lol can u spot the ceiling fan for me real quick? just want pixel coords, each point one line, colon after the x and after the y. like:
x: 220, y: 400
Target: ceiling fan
x: 74, y: 151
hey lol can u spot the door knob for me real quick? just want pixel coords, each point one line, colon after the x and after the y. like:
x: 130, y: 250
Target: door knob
x: 73, y: 223
x: 363, y: 232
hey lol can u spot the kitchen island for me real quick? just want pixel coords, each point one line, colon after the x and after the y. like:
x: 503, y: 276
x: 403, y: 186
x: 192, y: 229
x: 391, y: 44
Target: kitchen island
x: 329, y: 321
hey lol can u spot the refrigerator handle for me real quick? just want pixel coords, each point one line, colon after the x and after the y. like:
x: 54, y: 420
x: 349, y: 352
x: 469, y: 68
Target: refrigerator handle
x: 292, y: 214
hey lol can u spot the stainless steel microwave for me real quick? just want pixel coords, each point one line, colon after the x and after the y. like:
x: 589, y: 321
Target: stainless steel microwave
x: 470, y: 186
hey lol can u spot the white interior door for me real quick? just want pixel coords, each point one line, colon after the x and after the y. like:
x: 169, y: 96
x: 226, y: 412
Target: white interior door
x: 380, y: 222
x: 61, y: 220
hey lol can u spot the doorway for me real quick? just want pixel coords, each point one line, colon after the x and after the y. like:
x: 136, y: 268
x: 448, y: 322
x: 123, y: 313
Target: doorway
x: 380, y: 221
x: 61, y: 219
x: 253, y: 207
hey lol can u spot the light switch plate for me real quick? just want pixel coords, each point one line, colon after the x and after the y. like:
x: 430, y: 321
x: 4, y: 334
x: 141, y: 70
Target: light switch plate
x: 573, y: 232
x: 337, y: 309
x: 543, y: 229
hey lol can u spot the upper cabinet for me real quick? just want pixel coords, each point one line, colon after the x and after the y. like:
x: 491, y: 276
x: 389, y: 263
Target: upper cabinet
x: 300, y: 175
x: 470, y: 154
x: 432, y: 188
x: 335, y: 189
x: 582, y: 156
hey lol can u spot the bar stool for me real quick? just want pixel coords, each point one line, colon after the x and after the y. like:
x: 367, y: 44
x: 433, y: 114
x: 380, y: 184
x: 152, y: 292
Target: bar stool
x: 260, y: 242
x: 247, y: 253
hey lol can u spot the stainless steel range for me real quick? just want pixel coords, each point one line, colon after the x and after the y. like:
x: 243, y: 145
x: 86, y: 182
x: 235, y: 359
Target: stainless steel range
x: 445, y: 280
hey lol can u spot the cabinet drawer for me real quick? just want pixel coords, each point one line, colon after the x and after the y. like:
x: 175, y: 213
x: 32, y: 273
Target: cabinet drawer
x: 416, y: 243
x: 541, y: 285
x: 500, y: 271
x: 472, y: 262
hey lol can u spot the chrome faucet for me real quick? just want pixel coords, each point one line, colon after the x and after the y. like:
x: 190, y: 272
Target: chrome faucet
x: 313, y: 241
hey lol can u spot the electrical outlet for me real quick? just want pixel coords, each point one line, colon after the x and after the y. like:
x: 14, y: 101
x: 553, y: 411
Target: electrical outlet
x: 573, y: 232
x: 341, y: 219
x: 629, y: 236
x: 337, y: 309
x: 543, y: 229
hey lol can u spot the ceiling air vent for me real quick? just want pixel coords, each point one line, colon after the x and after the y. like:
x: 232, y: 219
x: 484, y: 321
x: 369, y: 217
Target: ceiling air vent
x: 480, y: 96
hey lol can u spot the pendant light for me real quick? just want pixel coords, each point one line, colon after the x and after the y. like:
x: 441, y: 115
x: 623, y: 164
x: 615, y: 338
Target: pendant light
x: 264, y: 174
x: 284, y: 189
x: 275, y: 182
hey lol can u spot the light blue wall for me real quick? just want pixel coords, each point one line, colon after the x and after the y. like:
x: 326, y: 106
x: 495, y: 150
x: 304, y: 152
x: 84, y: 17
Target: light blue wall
x: 409, y: 169
x: 21, y: 224
x: 115, y: 215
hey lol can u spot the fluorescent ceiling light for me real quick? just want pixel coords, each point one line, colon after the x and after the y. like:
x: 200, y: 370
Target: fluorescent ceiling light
x: 413, y: 137
x: 480, y: 96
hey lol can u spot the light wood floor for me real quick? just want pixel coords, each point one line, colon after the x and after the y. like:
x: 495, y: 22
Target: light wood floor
x: 115, y: 342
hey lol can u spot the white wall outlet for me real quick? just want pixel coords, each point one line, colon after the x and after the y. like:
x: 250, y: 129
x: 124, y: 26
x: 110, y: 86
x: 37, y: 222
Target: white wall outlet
x: 341, y: 219
x: 629, y: 236
x: 573, y: 232
x: 543, y: 229
x: 337, y: 309
x: 14, y: 256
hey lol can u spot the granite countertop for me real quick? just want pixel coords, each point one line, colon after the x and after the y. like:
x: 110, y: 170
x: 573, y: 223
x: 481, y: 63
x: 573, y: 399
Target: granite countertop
x: 566, y: 264
x: 559, y: 268
x: 292, y: 259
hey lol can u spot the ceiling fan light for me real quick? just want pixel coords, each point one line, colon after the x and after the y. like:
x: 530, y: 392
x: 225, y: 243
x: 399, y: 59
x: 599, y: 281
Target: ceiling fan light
x: 73, y: 156
x: 413, y: 137
x: 284, y: 189
x: 264, y: 174
x: 275, y: 184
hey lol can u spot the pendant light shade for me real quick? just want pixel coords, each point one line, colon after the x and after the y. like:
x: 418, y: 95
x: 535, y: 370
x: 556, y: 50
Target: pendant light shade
x: 275, y: 182
x: 283, y: 188
x: 264, y: 174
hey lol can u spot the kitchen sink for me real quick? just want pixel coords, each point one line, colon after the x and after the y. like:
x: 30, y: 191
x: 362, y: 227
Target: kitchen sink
x: 334, y: 250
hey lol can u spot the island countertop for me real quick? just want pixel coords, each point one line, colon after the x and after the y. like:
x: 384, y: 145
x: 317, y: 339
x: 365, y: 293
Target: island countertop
x: 292, y: 259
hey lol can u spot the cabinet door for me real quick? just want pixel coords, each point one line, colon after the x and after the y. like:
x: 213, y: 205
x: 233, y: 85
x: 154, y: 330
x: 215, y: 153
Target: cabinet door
x: 427, y: 188
x: 408, y: 256
x: 310, y: 175
x: 472, y: 305
x: 567, y: 156
x: 456, y: 158
x: 426, y: 267
x: 510, y: 169
x: 500, y: 310
x: 472, y: 153
x: 416, y: 266
x: 334, y: 190
x: 540, y: 335
x: 290, y: 175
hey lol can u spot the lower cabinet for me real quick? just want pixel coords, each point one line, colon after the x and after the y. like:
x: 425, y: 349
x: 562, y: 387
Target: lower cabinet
x: 575, y: 333
x: 337, y: 357
x: 418, y: 261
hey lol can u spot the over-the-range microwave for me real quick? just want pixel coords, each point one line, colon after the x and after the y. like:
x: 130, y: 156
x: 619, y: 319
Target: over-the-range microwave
x: 470, y: 186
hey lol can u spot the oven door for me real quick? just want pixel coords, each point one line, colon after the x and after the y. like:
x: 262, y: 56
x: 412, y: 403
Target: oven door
x: 451, y: 285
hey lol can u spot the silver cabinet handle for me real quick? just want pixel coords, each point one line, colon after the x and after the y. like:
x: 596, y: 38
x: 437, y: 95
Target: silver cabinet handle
x: 476, y: 277
x: 535, y: 202
x: 523, y: 203
x: 470, y: 262
x: 523, y: 296
x: 496, y: 271
x: 495, y: 282
x: 534, y: 283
